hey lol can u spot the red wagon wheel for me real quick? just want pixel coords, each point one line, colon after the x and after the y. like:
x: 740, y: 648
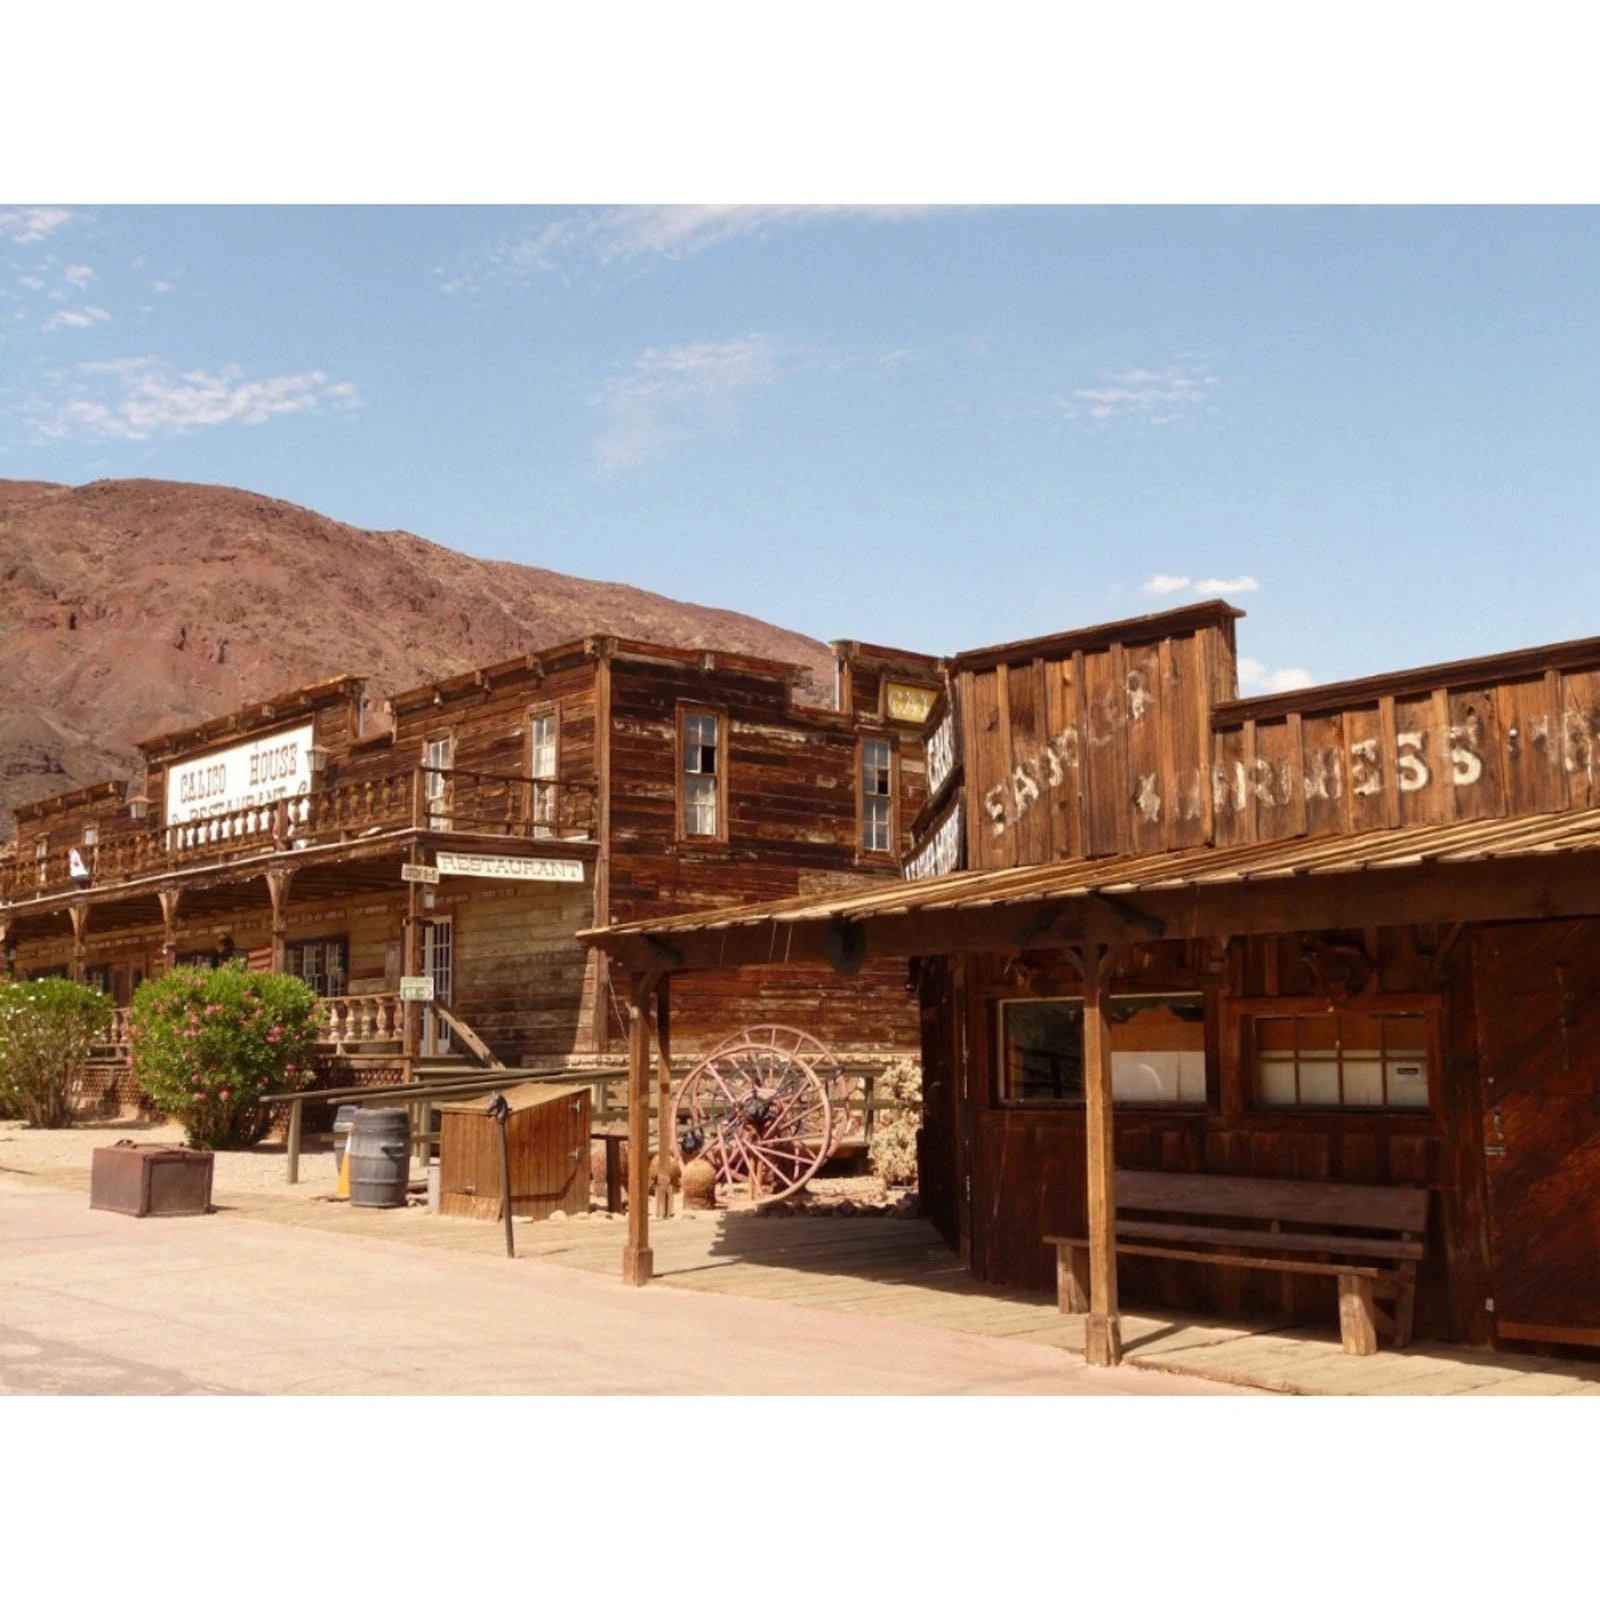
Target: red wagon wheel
x: 758, y: 1110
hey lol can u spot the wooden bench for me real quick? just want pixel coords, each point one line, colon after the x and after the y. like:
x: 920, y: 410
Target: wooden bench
x: 1369, y: 1238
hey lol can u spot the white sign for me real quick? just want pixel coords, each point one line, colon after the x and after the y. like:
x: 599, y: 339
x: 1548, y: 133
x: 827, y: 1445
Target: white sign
x: 909, y: 702
x: 940, y: 748
x: 416, y: 988
x: 528, y: 869
x: 941, y: 852
x: 276, y: 766
x: 411, y: 873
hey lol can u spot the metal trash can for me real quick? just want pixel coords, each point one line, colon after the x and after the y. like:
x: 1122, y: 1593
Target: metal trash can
x: 380, y: 1156
x: 150, y: 1180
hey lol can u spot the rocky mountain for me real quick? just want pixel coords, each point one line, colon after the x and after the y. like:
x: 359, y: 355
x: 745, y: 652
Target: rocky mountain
x: 132, y: 607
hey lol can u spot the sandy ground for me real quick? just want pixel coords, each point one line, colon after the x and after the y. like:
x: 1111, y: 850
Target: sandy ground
x: 256, y: 1171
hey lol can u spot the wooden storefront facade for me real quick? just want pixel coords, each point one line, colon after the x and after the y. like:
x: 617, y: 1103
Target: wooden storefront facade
x: 1349, y: 935
x: 605, y: 779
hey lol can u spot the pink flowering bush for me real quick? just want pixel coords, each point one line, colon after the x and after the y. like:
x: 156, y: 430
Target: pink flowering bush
x: 208, y: 1045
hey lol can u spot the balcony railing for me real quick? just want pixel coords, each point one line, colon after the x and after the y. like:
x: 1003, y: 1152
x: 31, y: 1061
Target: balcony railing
x: 444, y: 801
x: 347, y: 1024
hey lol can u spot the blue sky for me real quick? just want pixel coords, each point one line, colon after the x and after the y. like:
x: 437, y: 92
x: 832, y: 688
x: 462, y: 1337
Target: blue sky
x: 1375, y: 429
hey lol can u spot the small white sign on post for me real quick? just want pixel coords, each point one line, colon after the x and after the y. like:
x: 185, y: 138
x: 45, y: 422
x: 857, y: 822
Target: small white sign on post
x: 414, y: 873
x: 416, y: 988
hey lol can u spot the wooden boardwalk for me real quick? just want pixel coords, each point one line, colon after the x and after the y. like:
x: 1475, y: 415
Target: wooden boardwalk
x: 900, y: 1270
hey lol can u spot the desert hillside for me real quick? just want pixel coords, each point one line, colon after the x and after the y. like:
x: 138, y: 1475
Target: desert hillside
x: 128, y: 608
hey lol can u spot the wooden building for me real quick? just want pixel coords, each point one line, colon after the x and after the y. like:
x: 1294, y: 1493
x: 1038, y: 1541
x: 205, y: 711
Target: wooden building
x: 466, y: 842
x: 1344, y: 936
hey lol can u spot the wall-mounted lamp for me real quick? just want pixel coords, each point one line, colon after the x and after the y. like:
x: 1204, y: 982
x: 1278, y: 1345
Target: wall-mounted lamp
x: 317, y: 760
x: 138, y: 806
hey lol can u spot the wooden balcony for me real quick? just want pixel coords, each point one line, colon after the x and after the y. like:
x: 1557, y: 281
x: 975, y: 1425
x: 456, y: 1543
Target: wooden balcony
x: 497, y: 804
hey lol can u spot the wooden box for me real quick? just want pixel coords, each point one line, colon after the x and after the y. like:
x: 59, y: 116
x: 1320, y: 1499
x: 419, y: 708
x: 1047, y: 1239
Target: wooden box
x: 547, y: 1138
x: 150, y: 1180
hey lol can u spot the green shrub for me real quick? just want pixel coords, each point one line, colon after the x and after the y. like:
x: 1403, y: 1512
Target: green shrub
x: 208, y: 1045
x: 893, y: 1150
x: 46, y: 1028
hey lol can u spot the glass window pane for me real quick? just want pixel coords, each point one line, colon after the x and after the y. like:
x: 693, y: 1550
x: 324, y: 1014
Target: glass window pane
x: 1042, y: 1050
x: 1158, y: 1047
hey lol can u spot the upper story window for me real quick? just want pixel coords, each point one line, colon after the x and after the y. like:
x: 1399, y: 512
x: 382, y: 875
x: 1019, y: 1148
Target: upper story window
x: 877, y: 796
x: 438, y: 759
x: 1158, y: 1050
x: 542, y: 736
x: 702, y: 786
x: 41, y: 854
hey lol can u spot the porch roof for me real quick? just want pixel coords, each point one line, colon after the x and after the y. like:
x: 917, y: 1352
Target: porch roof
x: 1466, y: 870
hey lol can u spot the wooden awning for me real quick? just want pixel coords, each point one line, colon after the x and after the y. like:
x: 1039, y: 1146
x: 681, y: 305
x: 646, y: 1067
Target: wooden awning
x: 1465, y: 871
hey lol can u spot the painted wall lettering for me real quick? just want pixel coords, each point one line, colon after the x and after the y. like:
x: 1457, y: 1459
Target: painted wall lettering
x: 1411, y: 771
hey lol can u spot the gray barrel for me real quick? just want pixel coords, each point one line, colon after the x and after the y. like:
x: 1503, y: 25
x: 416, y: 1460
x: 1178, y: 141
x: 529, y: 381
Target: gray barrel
x: 380, y: 1157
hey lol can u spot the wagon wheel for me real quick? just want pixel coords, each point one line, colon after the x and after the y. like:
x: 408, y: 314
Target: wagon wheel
x: 757, y: 1109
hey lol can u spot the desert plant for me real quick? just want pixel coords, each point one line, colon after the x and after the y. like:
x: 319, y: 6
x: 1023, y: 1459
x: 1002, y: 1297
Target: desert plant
x: 207, y: 1045
x: 46, y: 1028
x: 893, y: 1148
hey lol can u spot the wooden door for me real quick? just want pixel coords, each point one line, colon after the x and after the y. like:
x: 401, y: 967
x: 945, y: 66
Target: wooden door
x: 1538, y: 999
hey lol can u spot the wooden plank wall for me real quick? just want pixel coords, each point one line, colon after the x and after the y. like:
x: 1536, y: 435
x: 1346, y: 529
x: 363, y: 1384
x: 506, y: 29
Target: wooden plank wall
x: 1028, y: 1177
x: 1432, y: 754
x: 1091, y: 752
x: 792, y: 828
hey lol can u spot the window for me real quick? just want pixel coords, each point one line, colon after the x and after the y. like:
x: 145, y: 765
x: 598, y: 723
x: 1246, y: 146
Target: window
x: 438, y: 758
x: 1158, y: 1050
x: 91, y: 835
x: 877, y: 796
x: 1376, y: 1060
x: 542, y: 745
x: 320, y: 963
x: 701, y: 791
x: 41, y: 854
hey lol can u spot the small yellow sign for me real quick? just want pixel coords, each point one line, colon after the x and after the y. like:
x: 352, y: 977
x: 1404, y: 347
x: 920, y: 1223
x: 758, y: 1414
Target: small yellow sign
x: 909, y: 702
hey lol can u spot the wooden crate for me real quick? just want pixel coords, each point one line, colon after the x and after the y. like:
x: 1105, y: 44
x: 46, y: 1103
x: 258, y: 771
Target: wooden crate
x: 547, y: 1139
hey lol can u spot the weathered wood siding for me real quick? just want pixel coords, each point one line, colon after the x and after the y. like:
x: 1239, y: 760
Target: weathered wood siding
x: 1028, y: 1164
x: 1093, y: 744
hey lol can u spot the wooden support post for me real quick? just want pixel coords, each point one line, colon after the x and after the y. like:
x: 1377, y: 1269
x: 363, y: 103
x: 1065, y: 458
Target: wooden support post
x: 1072, y: 1279
x: 666, y: 1133
x: 278, y: 885
x: 1103, y: 1330
x: 1357, y: 1327
x: 170, y: 900
x: 638, y: 1261
x: 296, y: 1120
x: 79, y: 912
x: 410, y: 967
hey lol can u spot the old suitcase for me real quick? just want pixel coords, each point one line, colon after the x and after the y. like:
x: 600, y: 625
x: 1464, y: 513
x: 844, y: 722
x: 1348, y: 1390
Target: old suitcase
x: 150, y: 1180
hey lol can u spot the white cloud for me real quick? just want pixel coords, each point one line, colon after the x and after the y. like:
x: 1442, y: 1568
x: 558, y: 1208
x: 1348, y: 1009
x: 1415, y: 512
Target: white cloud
x: 32, y: 223
x: 1163, y: 583
x: 78, y: 319
x: 79, y: 277
x: 669, y: 395
x: 1256, y: 679
x: 625, y: 235
x: 1152, y: 396
x: 141, y: 397
x: 1226, y: 586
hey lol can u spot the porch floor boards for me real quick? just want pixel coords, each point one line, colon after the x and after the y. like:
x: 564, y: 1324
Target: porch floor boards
x: 901, y: 1270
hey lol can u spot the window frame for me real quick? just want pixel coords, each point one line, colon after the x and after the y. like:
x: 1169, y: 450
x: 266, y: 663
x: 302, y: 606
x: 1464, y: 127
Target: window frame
x: 342, y: 940
x: 1206, y: 1103
x: 680, y: 787
x: 438, y: 821
x: 864, y: 851
x: 546, y: 826
x: 1240, y: 1016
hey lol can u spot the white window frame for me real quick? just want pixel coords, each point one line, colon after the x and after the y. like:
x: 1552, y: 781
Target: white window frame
x: 438, y: 760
